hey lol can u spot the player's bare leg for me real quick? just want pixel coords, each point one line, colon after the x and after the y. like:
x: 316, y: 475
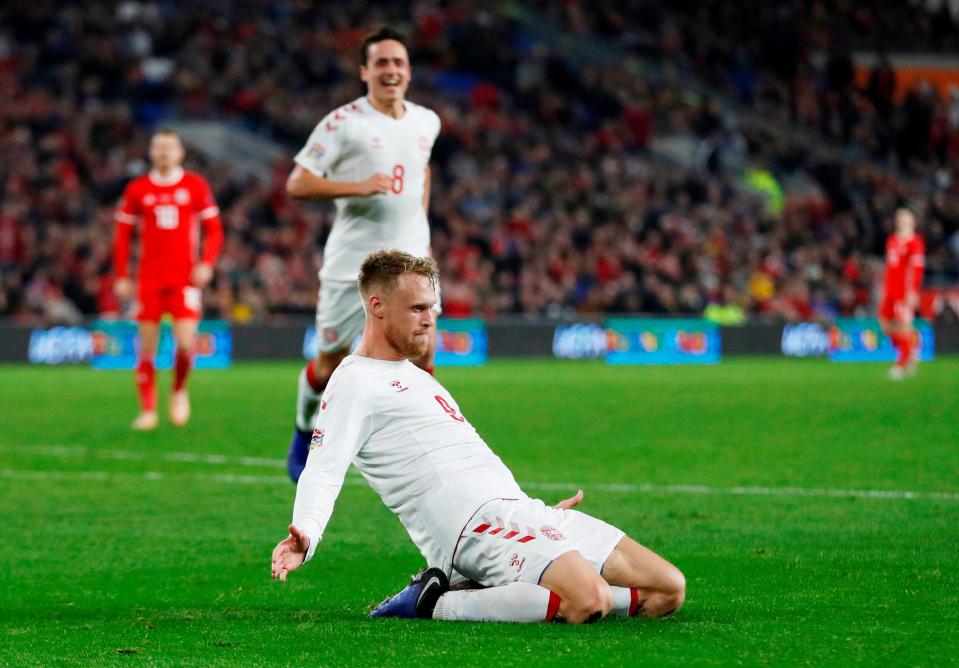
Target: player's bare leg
x: 184, y: 333
x: 146, y: 377
x: 584, y: 595
x: 643, y: 583
x: 313, y: 379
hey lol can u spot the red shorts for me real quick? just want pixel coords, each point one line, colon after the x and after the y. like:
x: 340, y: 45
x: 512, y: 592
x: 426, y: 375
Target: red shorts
x: 895, y: 309
x: 181, y: 302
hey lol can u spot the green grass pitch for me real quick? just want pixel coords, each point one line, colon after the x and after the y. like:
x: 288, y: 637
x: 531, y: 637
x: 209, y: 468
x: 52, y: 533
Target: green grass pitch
x: 760, y: 479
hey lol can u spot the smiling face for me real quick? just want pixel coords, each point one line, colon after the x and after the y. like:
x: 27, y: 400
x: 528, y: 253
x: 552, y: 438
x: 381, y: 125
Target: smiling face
x: 386, y: 72
x: 407, y: 314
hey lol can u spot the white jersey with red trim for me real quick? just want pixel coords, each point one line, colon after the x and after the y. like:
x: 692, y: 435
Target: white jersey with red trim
x: 352, y: 144
x: 407, y: 437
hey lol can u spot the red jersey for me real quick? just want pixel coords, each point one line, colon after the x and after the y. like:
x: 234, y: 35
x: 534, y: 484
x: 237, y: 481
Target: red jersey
x: 171, y: 212
x: 905, y: 264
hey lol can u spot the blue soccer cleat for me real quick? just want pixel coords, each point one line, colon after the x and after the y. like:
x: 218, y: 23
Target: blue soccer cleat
x: 418, y: 599
x: 296, y: 457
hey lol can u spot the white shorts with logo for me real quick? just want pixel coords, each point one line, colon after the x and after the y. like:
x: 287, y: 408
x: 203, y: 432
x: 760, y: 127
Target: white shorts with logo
x: 340, y: 317
x: 514, y: 540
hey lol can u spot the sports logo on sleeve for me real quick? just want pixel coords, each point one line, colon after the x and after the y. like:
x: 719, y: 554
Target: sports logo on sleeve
x: 317, y: 439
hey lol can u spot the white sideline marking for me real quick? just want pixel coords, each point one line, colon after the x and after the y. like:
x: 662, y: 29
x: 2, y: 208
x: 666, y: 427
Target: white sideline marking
x: 188, y: 457
x: 354, y: 479
x: 13, y: 474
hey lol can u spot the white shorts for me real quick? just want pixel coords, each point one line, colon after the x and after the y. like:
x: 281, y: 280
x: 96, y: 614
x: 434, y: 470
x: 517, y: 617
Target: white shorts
x: 340, y: 317
x: 514, y: 540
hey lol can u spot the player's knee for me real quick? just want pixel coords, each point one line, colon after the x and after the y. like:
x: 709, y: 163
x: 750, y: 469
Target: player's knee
x: 591, y: 605
x: 670, y: 598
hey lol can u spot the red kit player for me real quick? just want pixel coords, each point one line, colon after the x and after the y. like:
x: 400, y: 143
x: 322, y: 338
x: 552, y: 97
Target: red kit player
x: 171, y: 205
x: 905, y: 263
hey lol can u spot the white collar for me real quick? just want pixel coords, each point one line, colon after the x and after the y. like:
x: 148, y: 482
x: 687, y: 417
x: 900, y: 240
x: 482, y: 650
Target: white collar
x: 369, y: 105
x: 170, y: 180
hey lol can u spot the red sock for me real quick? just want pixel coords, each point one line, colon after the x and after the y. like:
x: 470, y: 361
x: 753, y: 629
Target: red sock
x: 903, y: 343
x: 181, y: 369
x: 552, y: 607
x: 312, y: 380
x: 911, y: 341
x: 634, y: 606
x: 146, y: 384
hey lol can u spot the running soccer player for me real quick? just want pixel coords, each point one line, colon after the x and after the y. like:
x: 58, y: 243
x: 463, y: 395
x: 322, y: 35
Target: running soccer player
x: 371, y: 157
x: 170, y: 204
x: 905, y: 264
x: 457, y: 500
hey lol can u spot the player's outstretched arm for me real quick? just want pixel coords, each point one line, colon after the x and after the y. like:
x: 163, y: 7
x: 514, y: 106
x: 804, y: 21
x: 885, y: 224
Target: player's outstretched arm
x: 290, y: 553
x: 304, y: 184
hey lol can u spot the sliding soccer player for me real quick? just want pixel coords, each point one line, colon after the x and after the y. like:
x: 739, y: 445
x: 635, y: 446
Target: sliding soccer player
x: 457, y: 500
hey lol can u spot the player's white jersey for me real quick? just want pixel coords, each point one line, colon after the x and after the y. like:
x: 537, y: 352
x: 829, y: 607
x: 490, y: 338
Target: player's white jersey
x: 353, y: 143
x: 407, y: 437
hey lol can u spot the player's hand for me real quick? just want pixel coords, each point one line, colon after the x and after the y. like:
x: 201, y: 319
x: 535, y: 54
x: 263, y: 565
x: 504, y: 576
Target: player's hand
x: 289, y: 554
x: 202, y: 275
x: 377, y: 184
x: 574, y: 500
x: 912, y: 300
x: 123, y: 288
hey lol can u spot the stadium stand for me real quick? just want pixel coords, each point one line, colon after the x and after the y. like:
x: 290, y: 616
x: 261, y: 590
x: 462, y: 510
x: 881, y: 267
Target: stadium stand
x: 623, y: 158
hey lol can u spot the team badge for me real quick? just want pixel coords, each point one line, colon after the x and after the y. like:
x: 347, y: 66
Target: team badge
x: 330, y: 335
x: 551, y: 532
x: 149, y: 199
x: 424, y: 143
x: 317, y: 440
x: 517, y: 562
x: 315, y: 151
x: 377, y: 143
x: 181, y: 196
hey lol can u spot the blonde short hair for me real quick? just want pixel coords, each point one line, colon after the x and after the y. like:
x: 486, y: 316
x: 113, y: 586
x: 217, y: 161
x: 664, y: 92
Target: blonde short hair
x: 381, y: 270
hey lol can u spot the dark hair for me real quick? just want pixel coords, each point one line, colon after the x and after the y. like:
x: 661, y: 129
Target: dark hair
x: 382, y: 270
x: 383, y: 33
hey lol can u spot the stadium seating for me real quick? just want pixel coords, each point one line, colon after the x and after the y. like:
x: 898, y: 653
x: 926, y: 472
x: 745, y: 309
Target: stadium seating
x: 554, y: 191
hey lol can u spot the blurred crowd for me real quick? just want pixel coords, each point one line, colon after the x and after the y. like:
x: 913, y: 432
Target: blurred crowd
x: 793, y: 61
x: 547, y: 197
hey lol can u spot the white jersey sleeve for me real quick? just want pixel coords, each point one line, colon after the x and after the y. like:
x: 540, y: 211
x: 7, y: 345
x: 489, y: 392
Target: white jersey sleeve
x: 328, y: 144
x: 340, y: 432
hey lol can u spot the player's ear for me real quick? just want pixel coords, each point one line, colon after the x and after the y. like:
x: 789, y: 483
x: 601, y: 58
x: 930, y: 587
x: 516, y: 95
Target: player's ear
x: 375, y: 306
